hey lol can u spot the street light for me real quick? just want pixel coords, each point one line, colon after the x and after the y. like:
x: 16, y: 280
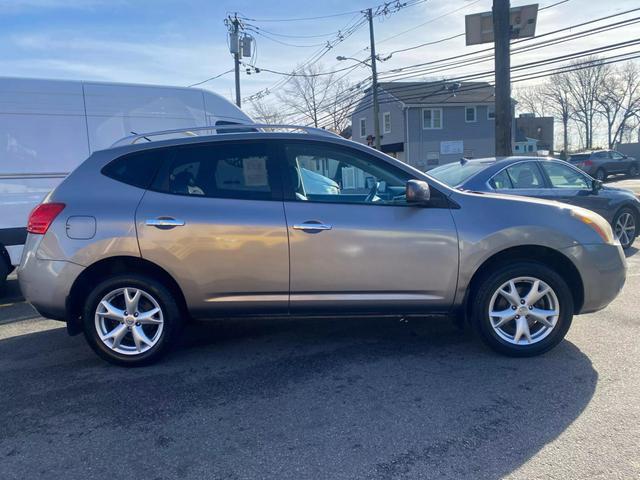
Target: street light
x: 374, y: 91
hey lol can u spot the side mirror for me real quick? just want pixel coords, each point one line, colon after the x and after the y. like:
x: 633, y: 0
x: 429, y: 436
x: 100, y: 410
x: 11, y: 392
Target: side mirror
x: 418, y: 192
x: 625, y: 156
x: 596, y: 185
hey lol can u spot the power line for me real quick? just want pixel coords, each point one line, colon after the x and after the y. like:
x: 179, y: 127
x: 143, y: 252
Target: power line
x: 209, y: 79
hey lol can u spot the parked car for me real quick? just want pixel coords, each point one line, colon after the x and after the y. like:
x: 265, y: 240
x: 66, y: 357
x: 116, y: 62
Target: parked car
x: 49, y: 127
x: 549, y: 179
x: 602, y: 163
x: 142, y: 237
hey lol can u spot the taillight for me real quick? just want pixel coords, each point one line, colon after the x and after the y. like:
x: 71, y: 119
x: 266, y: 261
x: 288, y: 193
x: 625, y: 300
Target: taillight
x: 42, y: 216
x: 587, y: 163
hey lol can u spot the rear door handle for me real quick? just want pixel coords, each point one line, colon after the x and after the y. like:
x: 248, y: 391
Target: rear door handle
x: 312, y: 226
x: 164, y: 223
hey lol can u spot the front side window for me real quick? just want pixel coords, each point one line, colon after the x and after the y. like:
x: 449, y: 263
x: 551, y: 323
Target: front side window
x: 470, y: 114
x: 562, y: 176
x: 431, y: 118
x: 387, y: 122
x: 324, y: 173
x: 241, y: 170
x: 525, y: 175
x: 363, y: 128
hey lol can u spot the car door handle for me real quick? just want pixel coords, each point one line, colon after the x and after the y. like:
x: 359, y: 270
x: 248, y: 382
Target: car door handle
x: 311, y: 226
x: 164, y: 222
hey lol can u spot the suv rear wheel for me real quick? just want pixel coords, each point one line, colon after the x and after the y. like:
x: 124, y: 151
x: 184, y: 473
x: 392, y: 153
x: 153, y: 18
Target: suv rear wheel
x: 131, y: 320
x: 523, y: 309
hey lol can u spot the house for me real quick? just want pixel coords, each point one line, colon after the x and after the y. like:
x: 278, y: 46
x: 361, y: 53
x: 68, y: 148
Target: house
x: 539, y: 128
x: 426, y: 124
x: 524, y: 145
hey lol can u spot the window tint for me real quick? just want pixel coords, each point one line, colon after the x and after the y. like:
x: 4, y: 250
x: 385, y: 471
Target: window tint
x: 324, y: 173
x: 562, y: 176
x: 137, y: 169
x: 501, y: 181
x: 525, y: 175
x: 218, y: 170
x: 616, y: 155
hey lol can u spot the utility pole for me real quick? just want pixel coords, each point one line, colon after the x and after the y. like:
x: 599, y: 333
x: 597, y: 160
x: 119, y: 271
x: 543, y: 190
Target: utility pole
x: 374, y: 79
x: 502, y: 41
x: 236, y: 57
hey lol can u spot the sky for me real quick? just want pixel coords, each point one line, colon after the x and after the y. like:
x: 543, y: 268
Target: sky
x: 181, y: 42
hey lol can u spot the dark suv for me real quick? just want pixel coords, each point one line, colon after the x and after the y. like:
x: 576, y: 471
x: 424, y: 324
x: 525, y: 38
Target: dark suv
x: 602, y: 163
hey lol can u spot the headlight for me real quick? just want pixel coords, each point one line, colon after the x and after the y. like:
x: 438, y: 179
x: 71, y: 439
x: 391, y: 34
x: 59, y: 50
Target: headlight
x: 596, y: 222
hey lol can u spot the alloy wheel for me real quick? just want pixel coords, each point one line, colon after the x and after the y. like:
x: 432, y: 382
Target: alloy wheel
x: 625, y: 228
x: 524, y: 311
x: 129, y: 321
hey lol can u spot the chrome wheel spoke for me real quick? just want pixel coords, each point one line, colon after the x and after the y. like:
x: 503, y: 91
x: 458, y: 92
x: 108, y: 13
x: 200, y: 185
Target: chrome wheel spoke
x: 512, y: 295
x: 542, y: 316
x: 147, y: 317
x: 132, y: 298
x: 116, y: 335
x: 535, y: 294
x: 522, y: 330
x: 139, y: 337
x: 504, y: 316
x: 111, y: 311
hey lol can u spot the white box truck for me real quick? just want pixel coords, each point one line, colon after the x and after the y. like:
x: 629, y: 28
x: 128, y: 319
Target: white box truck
x: 48, y: 127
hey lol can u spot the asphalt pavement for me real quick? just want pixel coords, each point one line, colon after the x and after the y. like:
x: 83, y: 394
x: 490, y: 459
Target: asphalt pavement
x: 324, y: 399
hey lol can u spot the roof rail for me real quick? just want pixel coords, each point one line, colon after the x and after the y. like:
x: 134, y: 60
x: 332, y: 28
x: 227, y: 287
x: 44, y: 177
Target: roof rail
x: 214, y: 129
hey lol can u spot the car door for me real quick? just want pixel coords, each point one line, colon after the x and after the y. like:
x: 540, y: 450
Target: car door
x: 570, y: 185
x: 602, y: 160
x: 214, y: 220
x: 523, y: 178
x: 360, y: 248
x: 620, y: 162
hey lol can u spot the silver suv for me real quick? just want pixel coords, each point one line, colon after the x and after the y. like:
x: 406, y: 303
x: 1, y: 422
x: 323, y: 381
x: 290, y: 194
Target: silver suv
x: 602, y: 163
x: 142, y: 237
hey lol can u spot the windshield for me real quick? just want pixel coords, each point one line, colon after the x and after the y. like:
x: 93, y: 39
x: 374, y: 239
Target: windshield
x: 454, y: 174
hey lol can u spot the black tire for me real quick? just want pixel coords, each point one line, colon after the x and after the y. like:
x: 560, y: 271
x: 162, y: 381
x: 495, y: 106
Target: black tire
x: 172, y: 321
x: 491, y: 282
x: 601, y: 174
x: 630, y: 236
x: 633, y: 170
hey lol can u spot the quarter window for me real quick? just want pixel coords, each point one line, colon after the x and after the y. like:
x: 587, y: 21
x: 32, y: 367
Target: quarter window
x: 431, y: 118
x: 221, y: 170
x: 470, y: 114
x: 137, y: 169
x: 525, y: 175
x: 562, y: 176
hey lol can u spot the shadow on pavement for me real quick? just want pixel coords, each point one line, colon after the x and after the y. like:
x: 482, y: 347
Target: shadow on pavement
x: 321, y: 398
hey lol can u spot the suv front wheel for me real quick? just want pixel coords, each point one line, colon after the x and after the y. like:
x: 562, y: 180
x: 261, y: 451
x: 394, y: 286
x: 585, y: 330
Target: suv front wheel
x: 131, y: 320
x: 523, y: 309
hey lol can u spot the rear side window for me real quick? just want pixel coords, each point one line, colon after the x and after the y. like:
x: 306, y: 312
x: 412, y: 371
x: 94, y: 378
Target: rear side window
x: 137, y: 169
x: 223, y: 170
x: 501, y: 181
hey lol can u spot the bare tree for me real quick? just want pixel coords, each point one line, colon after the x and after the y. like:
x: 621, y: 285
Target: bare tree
x: 342, y: 99
x: 307, y: 92
x: 585, y: 85
x: 619, y: 103
x: 263, y: 112
x: 532, y: 99
x: 558, y: 97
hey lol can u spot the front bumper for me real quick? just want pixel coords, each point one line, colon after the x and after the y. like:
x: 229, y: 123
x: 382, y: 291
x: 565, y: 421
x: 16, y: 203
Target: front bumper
x: 603, y: 269
x: 46, y: 283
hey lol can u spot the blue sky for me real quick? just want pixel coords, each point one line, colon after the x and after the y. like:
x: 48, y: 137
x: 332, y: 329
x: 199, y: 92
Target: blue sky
x: 182, y: 42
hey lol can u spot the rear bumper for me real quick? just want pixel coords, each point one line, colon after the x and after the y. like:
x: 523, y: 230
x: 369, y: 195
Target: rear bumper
x: 46, y: 283
x: 603, y: 269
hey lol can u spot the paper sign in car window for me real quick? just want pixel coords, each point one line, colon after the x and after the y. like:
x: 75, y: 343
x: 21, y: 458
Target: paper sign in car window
x: 255, y: 172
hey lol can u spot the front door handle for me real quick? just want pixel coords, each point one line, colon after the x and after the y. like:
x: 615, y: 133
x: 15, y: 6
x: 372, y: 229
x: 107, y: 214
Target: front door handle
x: 164, y: 223
x: 312, y: 226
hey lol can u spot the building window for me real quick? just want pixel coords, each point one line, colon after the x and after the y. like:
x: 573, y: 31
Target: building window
x: 431, y: 118
x: 363, y: 127
x: 470, y: 114
x: 491, y: 112
x: 386, y: 120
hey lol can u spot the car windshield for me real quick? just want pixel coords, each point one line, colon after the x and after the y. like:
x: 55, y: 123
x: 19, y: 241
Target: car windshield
x: 454, y: 174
